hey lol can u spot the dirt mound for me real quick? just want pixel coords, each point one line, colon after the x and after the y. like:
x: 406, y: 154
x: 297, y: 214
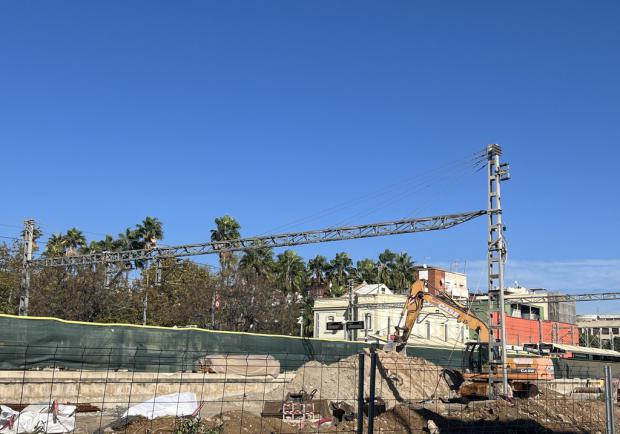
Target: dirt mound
x: 399, y: 379
x: 551, y: 410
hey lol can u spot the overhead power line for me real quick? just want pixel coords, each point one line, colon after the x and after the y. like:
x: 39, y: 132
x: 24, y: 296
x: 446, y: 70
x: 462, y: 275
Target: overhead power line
x: 404, y: 226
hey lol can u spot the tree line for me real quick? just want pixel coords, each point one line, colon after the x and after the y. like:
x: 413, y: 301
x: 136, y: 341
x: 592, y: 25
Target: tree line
x: 256, y: 290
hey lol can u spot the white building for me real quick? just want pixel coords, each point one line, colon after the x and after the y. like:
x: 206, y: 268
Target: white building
x: 380, y: 309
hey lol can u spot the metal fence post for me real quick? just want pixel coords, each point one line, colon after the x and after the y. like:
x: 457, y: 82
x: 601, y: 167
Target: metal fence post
x: 371, y: 398
x: 360, y: 394
x: 609, y: 401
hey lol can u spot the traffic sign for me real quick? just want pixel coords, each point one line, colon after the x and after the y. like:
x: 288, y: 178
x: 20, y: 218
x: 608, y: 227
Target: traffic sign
x: 355, y: 325
x: 334, y: 325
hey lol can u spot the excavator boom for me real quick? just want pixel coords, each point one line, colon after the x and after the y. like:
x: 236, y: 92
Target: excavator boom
x: 523, y: 372
x: 418, y: 295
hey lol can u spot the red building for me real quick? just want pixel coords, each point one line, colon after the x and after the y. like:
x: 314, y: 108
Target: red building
x: 521, y: 331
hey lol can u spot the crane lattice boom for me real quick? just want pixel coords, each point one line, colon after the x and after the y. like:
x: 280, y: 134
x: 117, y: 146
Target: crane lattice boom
x: 404, y: 226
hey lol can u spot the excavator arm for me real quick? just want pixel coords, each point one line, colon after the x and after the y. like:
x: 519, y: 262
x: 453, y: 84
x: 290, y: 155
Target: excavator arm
x: 418, y: 295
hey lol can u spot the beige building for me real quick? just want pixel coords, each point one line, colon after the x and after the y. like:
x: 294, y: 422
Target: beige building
x: 380, y: 309
x: 602, y: 331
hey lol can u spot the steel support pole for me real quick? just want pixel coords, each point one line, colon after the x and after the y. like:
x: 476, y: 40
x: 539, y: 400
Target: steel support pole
x: 350, y: 312
x: 496, y: 257
x: 609, y: 401
x: 371, y: 397
x: 360, y: 393
x: 502, y: 253
x: 24, y: 296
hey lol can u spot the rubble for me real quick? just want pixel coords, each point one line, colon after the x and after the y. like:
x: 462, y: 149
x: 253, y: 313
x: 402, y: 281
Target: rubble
x: 399, y: 379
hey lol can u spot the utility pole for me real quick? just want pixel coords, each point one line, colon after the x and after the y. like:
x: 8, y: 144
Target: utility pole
x: 350, y: 310
x: 157, y: 272
x: 24, y: 296
x: 496, y: 256
x: 145, y: 299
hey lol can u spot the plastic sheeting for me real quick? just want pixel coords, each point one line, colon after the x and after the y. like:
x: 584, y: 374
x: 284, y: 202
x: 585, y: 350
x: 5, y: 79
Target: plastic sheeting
x: 174, y: 405
x: 47, y: 342
x: 37, y: 418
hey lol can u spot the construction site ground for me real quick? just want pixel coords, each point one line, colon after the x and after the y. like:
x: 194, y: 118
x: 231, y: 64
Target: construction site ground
x: 417, y: 399
x: 523, y: 416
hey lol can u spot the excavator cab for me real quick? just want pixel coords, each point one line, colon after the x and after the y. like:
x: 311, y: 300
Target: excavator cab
x: 476, y: 357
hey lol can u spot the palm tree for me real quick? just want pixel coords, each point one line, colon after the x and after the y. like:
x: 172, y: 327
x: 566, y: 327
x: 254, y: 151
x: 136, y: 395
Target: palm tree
x: 335, y: 291
x: 318, y: 267
x: 128, y: 240
x: 54, y: 246
x: 107, y: 244
x: 291, y: 271
x: 402, y: 271
x: 340, y: 268
x: 366, y: 271
x: 150, y: 230
x: 227, y: 228
x: 386, y: 267
x: 259, y: 261
x: 72, y: 241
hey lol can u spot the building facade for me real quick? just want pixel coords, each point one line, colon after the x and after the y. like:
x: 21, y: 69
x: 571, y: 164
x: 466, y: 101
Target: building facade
x: 380, y: 309
x: 533, y: 322
x: 440, y: 280
x: 602, y: 331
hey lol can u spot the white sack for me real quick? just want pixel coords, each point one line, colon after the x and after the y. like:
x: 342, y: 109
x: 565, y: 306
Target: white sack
x: 40, y: 417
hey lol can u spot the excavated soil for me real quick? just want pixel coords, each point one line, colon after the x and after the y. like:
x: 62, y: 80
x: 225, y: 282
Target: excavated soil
x: 399, y: 379
x: 415, y: 395
x: 546, y: 414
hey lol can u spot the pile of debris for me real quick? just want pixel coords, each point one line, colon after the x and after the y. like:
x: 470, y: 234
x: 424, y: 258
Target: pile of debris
x: 399, y: 379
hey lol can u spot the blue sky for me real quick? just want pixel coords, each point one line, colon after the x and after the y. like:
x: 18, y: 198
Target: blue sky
x: 275, y: 111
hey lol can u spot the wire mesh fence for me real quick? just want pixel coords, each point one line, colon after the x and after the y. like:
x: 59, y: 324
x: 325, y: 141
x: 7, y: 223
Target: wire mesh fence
x: 240, y: 392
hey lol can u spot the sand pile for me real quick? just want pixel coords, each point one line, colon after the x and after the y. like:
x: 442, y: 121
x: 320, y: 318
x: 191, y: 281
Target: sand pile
x: 399, y: 379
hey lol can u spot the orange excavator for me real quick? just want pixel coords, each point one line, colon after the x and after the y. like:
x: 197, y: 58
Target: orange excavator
x: 525, y: 373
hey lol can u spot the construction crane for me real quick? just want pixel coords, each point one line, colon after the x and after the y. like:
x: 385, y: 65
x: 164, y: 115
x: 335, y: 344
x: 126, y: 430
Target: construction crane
x: 396, y: 227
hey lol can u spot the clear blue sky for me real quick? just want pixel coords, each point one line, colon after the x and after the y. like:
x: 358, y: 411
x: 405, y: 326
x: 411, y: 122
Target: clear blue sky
x: 274, y: 111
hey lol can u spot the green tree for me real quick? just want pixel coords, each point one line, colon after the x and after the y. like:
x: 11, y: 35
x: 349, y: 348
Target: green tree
x: 386, y: 267
x: 108, y: 244
x: 340, y: 268
x: 335, y: 291
x: 150, y: 231
x: 259, y: 261
x: 54, y: 246
x: 73, y: 241
x: 291, y: 272
x: 128, y: 240
x: 227, y: 228
x: 402, y: 271
x: 10, y: 269
x: 307, y: 315
x: 366, y: 270
x: 318, y: 267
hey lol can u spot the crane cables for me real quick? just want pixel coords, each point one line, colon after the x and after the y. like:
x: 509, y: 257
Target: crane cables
x: 389, y: 194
